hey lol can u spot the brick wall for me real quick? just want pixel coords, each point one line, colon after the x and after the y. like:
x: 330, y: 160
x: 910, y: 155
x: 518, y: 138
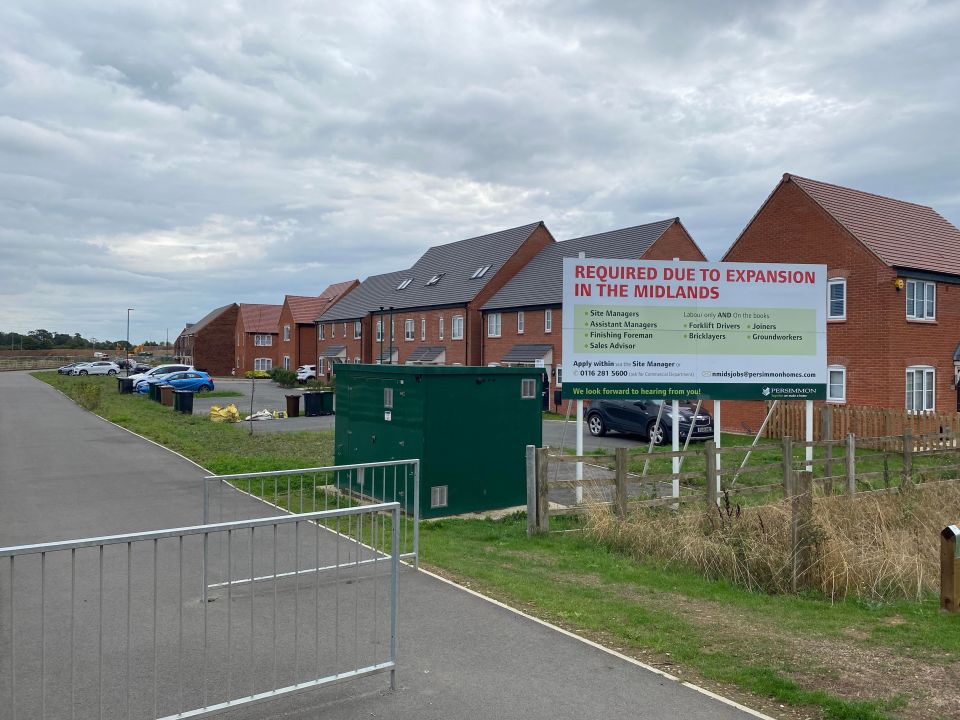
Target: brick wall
x: 875, y: 343
x: 213, y: 344
x: 674, y: 243
x: 245, y: 351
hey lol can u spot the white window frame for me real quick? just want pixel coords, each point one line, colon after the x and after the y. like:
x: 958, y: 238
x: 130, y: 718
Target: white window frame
x: 286, y: 362
x: 423, y: 329
x: 440, y: 328
x: 842, y: 397
x: 286, y: 333
x: 528, y: 389
x: 928, y: 303
x: 409, y: 330
x: 456, y: 328
x: 380, y: 330
x: 494, y: 325
x: 831, y: 283
x: 263, y: 340
x: 322, y: 332
x: 927, y: 393
x: 548, y: 320
x: 333, y: 330
x: 264, y: 364
x: 357, y: 329
x: 521, y: 321
x: 320, y: 362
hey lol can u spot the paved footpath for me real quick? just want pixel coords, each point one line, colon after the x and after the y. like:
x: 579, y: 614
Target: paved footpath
x: 64, y: 473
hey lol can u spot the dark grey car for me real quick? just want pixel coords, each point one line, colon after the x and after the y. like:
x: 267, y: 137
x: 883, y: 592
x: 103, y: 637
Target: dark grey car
x: 639, y: 417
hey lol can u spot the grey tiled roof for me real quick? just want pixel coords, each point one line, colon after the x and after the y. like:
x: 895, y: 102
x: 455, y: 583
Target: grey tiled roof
x: 333, y: 351
x: 456, y: 262
x: 540, y: 282
x: 526, y: 353
x: 364, y: 298
x: 426, y: 353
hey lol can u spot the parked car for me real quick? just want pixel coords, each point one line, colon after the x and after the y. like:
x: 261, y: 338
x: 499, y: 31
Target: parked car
x: 158, y: 370
x: 306, y: 372
x: 640, y: 417
x: 99, y: 367
x: 194, y: 380
x: 65, y: 370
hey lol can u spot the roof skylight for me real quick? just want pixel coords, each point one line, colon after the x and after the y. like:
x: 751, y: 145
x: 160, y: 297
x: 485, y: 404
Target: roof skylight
x: 480, y: 272
x: 435, y: 279
x: 403, y: 283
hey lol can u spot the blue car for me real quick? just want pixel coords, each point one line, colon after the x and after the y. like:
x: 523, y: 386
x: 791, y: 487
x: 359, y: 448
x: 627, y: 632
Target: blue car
x: 195, y: 380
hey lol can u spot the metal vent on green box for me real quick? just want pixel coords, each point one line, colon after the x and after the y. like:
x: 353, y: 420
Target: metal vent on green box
x: 469, y: 426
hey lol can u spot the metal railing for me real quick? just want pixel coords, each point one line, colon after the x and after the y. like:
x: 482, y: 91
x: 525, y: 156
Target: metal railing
x: 324, y: 488
x: 118, y: 626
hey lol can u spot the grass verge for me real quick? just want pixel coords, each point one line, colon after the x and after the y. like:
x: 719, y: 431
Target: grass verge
x: 789, y: 656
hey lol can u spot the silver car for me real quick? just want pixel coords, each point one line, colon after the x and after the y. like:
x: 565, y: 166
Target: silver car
x: 98, y: 367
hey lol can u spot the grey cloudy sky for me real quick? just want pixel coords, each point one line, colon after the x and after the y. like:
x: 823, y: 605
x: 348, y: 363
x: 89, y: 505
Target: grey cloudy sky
x: 176, y: 156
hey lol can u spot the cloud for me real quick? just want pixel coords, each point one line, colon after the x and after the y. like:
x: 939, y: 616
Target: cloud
x: 177, y: 156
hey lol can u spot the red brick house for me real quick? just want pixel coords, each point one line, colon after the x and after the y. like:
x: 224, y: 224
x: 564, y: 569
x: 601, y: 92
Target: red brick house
x: 256, y: 337
x: 297, y: 324
x: 893, y: 305
x: 433, y: 307
x: 208, y: 344
x: 523, y: 321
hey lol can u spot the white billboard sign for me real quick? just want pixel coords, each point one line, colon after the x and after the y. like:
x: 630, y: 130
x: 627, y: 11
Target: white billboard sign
x: 679, y: 329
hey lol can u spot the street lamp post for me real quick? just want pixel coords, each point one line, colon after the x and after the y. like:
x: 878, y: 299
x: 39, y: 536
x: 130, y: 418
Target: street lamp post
x: 129, y: 310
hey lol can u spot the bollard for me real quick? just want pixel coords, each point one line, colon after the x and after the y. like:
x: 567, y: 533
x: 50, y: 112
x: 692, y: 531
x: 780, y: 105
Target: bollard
x: 949, y: 569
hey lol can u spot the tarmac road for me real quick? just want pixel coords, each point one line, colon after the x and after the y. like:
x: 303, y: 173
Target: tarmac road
x: 65, y: 473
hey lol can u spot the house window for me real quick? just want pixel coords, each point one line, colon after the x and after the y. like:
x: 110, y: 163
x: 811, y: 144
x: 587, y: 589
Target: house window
x: 548, y: 321
x: 920, y: 384
x: 404, y: 283
x: 921, y: 300
x: 423, y: 329
x: 837, y: 383
x: 356, y: 361
x: 286, y: 362
x: 320, y: 366
x: 528, y: 388
x: 408, y: 329
x: 440, y: 328
x: 262, y: 364
x: 357, y: 329
x: 263, y: 340
x: 435, y: 279
x: 456, y: 333
x: 493, y: 325
x: 286, y: 333
x: 379, y: 330
x: 520, y: 321
x: 837, y: 299
x: 333, y: 331
x: 480, y: 272
x: 344, y: 330
x: 438, y: 496
x: 559, y: 375
x: 322, y: 332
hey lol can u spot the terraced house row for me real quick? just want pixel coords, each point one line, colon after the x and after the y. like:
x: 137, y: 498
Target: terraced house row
x: 893, y: 302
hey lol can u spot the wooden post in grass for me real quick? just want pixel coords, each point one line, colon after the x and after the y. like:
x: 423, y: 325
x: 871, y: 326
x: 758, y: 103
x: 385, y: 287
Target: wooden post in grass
x: 906, y: 472
x: 801, y: 524
x: 949, y: 569
x: 787, y: 464
x: 851, y: 465
x: 543, y: 506
x: 826, y: 433
x: 531, y: 490
x: 710, y: 454
x: 620, y: 498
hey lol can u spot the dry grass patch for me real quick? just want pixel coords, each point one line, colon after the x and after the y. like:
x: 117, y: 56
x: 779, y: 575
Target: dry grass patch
x: 881, y: 546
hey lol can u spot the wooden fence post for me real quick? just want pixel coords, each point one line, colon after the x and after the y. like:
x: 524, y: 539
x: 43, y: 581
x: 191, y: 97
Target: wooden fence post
x: 851, y: 465
x: 620, y: 466
x: 710, y: 450
x: 787, y: 464
x: 949, y: 569
x: 543, y: 506
x: 531, y: 490
x: 826, y: 433
x: 801, y: 517
x: 906, y: 473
